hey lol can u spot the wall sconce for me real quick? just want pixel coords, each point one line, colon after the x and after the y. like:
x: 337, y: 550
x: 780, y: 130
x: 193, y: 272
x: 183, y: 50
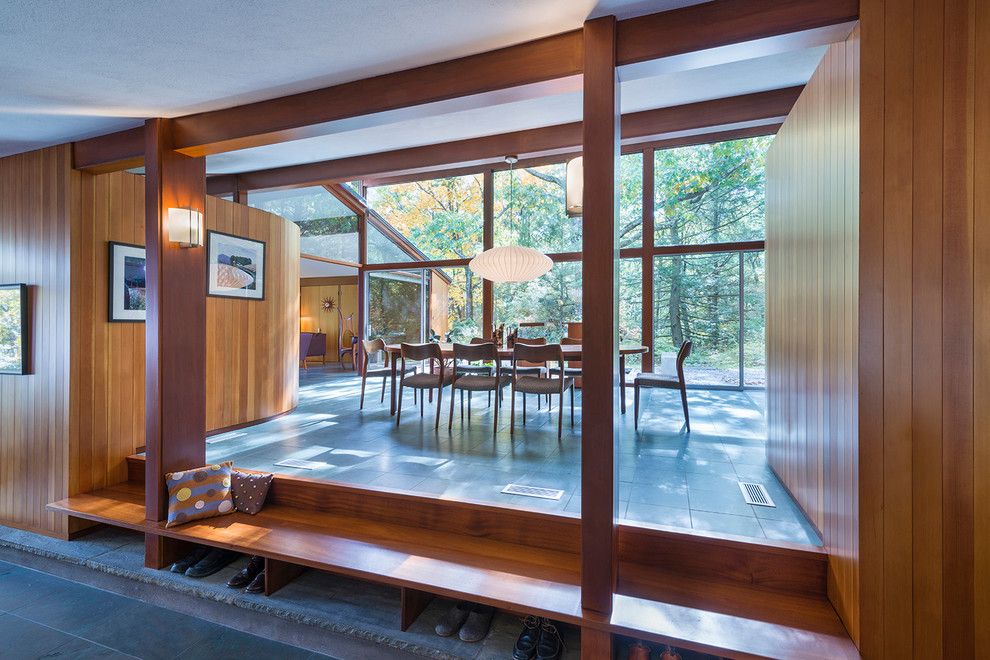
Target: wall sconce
x: 575, y: 186
x: 185, y: 227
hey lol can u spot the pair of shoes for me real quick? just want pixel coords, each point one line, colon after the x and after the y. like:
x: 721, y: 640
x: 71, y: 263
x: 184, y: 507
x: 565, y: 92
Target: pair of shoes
x: 639, y: 651
x: 539, y: 639
x: 213, y: 561
x: 473, y: 621
x: 193, y: 557
x: 251, y: 578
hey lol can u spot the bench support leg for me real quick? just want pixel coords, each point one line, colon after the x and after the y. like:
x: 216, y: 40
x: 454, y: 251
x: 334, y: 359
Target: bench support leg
x: 596, y: 644
x: 413, y: 603
x: 279, y: 573
x: 162, y: 551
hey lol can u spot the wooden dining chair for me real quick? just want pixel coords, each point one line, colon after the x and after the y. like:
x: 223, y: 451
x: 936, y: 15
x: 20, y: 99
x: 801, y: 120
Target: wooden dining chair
x: 570, y: 369
x: 435, y: 376
x: 372, y: 347
x: 346, y: 339
x: 484, y: 368
x: 477, y: 382
x: 527, y: 368
x: 537, y: 385
x: 664, y: 381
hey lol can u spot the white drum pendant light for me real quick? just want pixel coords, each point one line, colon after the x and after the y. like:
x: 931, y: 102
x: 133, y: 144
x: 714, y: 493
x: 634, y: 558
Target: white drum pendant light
x: 511, y: 263
x: 575, y: 187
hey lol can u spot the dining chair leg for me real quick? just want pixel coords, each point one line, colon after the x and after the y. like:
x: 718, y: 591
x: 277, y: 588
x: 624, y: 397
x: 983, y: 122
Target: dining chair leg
x: 450, y: 420
x: 495, y: 419
x: 462, y: 404
x: 398, y: 411
x: 572, y: 406
x: 512, y: 413
x: 384, y: 380
x: 636, y: 407
x: 687, y: 419
x: 363, y: 382
x: 469, y: 404
x: 421, y: 400
x: 436, y: 423
x: 489, y: 398
x: 560, y: 417
x: 524, y: 408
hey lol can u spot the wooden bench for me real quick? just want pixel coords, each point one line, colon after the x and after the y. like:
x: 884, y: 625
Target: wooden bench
x: 734, y: 609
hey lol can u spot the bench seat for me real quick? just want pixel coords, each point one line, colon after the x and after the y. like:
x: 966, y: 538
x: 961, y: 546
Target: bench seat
x: 727, y: 619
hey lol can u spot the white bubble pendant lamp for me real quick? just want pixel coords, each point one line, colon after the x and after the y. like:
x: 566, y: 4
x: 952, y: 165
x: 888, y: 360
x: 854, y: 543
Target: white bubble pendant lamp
x: 511, y: 263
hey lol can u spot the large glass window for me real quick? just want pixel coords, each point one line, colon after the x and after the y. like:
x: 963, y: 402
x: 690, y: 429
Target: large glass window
x: 455, y: 305
x: 697, y: 300
x: 440, y: 218
x: 631, y: 200
x: 395, y: 305
x: 553, y: 300
x: 631, y: 306
x: 327, y: 227
x: 538, y: 218
x: 711, y: 193
x: 754, y: 319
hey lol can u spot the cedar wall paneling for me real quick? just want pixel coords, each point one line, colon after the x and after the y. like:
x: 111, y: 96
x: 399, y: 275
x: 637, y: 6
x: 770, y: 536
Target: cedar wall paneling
x: 315, y: 318
x: 812, y: 289
x: 924, y: 374
x: 107, y: 370
x: 252, y: 347
x: 37, y: 193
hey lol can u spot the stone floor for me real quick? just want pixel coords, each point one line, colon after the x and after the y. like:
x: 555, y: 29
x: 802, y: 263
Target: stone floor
x: 667, y: 476
x: 43, y: 616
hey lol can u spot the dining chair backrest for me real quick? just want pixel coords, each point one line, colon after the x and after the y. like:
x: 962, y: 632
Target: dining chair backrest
x: 571, y: 341
x: 480, y: 340
x: 524, y: 354
x: 371, y: 348
x: 682, y: 356
x: 531, y: 341
x: 475, y: 352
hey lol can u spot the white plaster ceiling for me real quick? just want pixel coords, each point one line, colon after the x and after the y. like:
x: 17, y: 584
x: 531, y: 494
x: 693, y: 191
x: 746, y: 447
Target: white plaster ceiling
x: 314, y: 268
x: 71, y: 70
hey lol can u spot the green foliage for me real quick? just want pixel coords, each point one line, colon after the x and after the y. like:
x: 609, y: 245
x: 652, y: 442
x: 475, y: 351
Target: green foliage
x: 10, y: 329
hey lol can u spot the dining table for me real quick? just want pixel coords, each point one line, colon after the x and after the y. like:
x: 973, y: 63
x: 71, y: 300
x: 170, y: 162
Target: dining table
x: 571, y: 353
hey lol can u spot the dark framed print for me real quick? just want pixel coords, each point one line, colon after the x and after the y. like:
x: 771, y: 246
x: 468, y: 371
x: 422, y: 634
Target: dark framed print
x: 14, y: 329
x: 128, y: 295
x: 235, y: 266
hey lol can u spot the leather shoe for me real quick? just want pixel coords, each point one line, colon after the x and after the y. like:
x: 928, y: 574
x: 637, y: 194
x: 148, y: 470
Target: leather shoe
x: 478, y: 623
x: 213, y: 561
x: 550, y: 646
x: 257, y: 585
x: 453, y: 619
x: 183, y: 564
x: 525, y: 648
x: 247, y: 574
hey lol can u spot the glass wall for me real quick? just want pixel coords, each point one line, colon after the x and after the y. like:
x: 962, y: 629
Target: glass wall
x: 455, y: 305
x: 439, y: 218
x: 396, y: 311
x: 554, y: 300
x: 327, y: 227
x: 538, y: 217
x: 711, y: 193
x: 754, y: 319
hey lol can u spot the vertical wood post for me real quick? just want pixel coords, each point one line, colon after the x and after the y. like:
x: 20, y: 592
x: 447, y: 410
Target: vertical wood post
x: 649, y: 197
x: 599, y: 360
x: 175, y: 332
x: 488, y: 238
x: 362, y: 259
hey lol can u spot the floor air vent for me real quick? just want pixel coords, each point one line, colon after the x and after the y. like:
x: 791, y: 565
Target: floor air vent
x: 755, y: 494
x: 533, y: 491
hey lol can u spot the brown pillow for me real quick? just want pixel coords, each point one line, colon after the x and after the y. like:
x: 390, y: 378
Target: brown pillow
x: 250, y: 490
x: 201, y: 492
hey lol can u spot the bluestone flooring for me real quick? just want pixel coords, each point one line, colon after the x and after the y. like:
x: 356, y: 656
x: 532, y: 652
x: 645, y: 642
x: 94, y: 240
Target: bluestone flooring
x: 43, y: 616
x: 667, y: 476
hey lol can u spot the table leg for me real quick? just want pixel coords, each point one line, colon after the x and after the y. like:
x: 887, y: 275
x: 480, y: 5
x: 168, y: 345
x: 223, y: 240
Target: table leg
x: 622, y: 383
x: 391, y: 394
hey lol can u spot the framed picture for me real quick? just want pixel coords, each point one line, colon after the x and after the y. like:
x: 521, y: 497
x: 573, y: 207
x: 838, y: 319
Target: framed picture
x: 14, y: 335
x: 128, y: 297
x: 235, y: 266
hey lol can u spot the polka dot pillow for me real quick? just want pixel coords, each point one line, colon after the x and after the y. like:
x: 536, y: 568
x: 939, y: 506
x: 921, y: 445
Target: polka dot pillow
x: 202, y: 492
x: 250, y: 490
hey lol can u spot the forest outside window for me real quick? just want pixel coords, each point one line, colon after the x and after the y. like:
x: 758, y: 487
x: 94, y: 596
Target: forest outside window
x: 327, y: 228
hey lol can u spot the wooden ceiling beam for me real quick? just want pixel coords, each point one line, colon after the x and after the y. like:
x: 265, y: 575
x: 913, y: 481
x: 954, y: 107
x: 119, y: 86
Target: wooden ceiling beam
x: 466, y: 156
x: 553, y: 58
x: 723, y: 23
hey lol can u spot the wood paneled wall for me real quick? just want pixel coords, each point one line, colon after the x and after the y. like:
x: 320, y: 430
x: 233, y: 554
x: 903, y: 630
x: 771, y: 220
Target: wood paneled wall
x: 314, y: 317
x: 107, y: 369
x: 924, y: 374
x: 812, y: 297
x: 37, y: 193
x: 252, y: 347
